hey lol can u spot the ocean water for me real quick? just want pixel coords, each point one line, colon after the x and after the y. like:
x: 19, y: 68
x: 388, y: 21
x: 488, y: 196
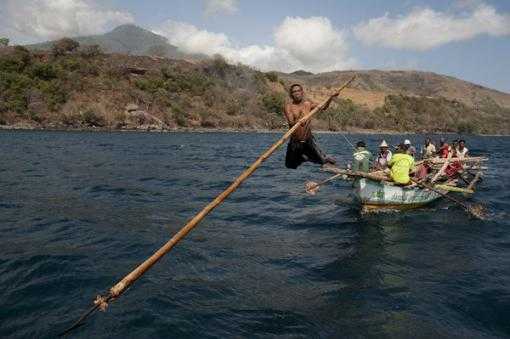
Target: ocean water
x: 79, y: 210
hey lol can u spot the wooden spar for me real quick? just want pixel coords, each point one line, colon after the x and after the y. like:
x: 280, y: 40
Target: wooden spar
x: 371, y: 176
x: 355, y: 173
x: 313, y: 187
x: 475, y: 167
x: 474, y: 181
x: 443, y: 160
x: 454, y: 189
x: 129, y: 279
x: 443, y: 168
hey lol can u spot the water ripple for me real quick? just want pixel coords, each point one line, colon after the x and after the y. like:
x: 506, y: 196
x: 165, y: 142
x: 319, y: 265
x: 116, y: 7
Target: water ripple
x: 80, y: 210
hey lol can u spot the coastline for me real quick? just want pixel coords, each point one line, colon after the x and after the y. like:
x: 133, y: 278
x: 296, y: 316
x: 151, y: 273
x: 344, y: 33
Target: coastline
x: 29, y: 127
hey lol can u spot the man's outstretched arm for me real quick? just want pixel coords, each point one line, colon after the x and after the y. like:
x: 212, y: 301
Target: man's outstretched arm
x: 326, y: 105
x: 331, y: 97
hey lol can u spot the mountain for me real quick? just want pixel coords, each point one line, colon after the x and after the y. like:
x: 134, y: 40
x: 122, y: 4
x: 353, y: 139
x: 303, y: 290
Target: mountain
x: 126, y: 39
x: 371, y: 89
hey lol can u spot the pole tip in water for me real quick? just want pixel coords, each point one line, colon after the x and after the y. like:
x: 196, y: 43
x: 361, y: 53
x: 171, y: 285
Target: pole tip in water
x: 311, y: 187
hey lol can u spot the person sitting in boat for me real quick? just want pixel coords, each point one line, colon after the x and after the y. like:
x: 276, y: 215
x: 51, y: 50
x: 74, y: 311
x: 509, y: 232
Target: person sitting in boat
x: 429, y: 150
x: 444, y: 148
x: 302, y: 146
x: 361, y: 158
x: 462, y: 150
x: 401, y: 164
x: 383, y: 157
x: 411, y: 150
x: 453, y: 148
x: 459, y: 151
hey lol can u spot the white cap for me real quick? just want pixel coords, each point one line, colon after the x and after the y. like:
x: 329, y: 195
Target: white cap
x: 383, y: 144
x: 407, y: 142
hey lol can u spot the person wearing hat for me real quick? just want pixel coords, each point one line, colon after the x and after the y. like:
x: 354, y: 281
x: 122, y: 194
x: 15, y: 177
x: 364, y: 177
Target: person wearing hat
x: 361, y: 158
x: 401, y: 164
x: 383, y: 157
x: 411, y: 150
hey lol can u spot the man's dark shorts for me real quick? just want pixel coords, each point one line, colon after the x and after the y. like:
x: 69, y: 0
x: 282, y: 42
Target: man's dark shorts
x: 301, y: 151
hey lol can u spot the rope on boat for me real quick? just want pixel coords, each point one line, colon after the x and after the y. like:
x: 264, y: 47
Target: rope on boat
x: 348, y: 141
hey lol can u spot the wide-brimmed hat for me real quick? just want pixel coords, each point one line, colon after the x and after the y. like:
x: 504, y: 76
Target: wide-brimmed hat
x: 383, y: 144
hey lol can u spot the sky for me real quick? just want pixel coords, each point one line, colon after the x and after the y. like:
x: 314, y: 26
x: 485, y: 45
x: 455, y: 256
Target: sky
x: 467, y: 39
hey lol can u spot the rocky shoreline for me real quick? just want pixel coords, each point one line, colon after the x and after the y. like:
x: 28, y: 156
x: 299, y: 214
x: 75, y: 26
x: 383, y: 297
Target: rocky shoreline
x: 139, y: 120
x: 152, y: 129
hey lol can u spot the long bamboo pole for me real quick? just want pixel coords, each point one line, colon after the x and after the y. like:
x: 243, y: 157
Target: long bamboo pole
x: 114, y: 292
x: 121, y: 286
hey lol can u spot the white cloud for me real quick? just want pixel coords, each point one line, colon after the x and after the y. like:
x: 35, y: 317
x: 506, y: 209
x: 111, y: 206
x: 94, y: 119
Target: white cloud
x: 314, y: 43
x: 190, y: 39
x: 33, y: 20
x: 424, y: 29
x: 299, y: 43
x: 213, y: 7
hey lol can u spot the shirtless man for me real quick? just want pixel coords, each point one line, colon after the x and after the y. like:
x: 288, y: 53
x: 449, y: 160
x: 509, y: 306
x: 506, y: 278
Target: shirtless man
x: 302, y: 146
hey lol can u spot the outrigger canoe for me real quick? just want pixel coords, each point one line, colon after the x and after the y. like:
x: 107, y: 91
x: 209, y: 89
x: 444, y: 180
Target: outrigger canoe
x: 375, y: 191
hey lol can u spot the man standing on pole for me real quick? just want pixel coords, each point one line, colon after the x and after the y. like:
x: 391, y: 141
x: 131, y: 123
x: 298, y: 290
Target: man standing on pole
x: 302, y: 146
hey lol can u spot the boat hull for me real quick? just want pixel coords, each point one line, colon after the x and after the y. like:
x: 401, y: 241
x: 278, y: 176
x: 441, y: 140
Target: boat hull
x: 375, y: 196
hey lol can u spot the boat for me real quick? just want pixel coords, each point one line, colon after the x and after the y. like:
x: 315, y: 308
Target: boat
x: 375, y: 191
x: 374, y: 196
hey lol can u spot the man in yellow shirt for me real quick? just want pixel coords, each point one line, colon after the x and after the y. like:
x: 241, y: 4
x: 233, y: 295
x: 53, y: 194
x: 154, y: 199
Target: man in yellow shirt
x: 401, y: 165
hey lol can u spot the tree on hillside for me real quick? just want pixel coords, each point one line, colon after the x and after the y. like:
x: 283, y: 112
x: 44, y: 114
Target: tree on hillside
x: 64, y: 46
x: 90, y: 51
x: 272, y: 76
x: 220, y: 65
x: 4, y: 42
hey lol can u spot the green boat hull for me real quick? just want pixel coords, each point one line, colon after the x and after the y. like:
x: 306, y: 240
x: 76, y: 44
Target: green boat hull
x: 376, y: 195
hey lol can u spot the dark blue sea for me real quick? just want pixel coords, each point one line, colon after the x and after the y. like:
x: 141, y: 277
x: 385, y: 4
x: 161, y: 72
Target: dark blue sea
x: 79, y: 210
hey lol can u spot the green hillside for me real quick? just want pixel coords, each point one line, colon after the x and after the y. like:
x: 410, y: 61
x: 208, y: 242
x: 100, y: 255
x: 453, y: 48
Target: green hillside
x: 83, y: 88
